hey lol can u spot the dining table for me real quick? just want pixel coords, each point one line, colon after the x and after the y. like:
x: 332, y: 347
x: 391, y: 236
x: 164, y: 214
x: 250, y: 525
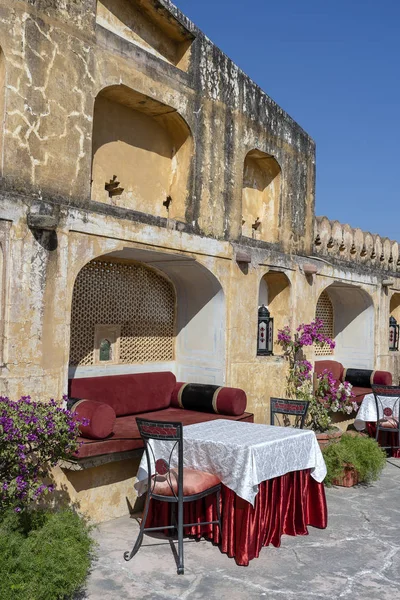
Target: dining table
x: 271, y: 484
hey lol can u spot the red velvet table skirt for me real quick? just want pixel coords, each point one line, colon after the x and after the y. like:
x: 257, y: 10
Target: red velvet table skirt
x: 284, y: 505
x: 385, y: 438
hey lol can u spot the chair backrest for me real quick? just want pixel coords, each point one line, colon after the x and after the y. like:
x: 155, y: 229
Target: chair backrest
x: 387, y: 401
x: 287, y: 408
x: 160, y: 469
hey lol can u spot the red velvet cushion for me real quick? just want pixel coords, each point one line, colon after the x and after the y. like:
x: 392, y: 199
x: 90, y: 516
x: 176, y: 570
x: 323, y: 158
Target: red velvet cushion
x: 101, y: 418
x: 359, y: 393
x: 382, y: 378
x: 228, y: 400
x: 194, y: 482
x: 127, y: 394
x: 335, y: 367
x: 126, y: 434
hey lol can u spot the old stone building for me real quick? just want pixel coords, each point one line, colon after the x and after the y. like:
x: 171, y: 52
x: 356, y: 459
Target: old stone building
x: 152, y: 197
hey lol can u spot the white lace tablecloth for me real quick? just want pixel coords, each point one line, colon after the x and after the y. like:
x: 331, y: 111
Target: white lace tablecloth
x: 243, y: 454
x: 367, y: 410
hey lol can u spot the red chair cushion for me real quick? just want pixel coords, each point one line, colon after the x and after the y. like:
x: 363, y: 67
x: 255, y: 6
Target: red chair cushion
x: 101, y: 418
x: 194, y: 482
x: 389, y: 423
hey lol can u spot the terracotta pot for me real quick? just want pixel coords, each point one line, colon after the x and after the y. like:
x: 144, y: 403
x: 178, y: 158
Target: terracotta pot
x: 328, y: 436
x: 348, y: 478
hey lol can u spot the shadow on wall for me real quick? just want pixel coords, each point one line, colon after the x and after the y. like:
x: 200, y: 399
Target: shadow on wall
x: 354, y: 317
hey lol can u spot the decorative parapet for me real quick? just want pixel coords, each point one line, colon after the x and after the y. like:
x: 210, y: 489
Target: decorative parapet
x: 342, y: 242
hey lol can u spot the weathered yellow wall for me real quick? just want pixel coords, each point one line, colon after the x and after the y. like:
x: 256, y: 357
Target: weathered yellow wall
x: 101, y: 493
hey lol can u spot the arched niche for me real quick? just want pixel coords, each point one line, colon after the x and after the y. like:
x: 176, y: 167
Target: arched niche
x: 274, y: 292
x: 354, y: 319
x: 195, y: 348
x: 149, y: 26
x: 261, y: 196
x: 141, y: 153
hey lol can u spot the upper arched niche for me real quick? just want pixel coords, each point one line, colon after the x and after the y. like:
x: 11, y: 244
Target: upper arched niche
x: 141, y: 152
x: 260, y: 196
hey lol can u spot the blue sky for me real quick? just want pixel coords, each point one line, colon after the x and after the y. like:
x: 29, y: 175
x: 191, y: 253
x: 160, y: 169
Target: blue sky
x: 334, y: 67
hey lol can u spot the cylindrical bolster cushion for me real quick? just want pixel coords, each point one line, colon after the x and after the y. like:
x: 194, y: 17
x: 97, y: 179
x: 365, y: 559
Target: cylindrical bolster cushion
x: 359, y: 377
x: 101, y: 418
x: 209, y: 398
x: 383, y: 378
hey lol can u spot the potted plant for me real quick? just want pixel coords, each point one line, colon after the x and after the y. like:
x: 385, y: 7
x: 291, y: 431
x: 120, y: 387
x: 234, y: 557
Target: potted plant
x: 353, y: 459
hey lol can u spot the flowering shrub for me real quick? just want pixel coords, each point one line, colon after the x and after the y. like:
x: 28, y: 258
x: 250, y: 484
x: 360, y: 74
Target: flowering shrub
x: 299, y: 368
x: 329, y: 396
x: 34, y: 436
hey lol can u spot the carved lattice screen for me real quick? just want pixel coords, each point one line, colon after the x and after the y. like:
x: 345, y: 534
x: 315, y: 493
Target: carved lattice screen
x: 324, y: 311
x: 133, y: 296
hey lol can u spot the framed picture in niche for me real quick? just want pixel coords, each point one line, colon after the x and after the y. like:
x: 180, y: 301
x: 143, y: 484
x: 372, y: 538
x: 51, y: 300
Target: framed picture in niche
x: 106, y: 344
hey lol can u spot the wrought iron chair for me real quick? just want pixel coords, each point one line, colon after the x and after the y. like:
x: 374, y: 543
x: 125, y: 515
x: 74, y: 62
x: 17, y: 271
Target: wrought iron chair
x: 176, y: 486
x: 283, y: 408
x: 387, y: 402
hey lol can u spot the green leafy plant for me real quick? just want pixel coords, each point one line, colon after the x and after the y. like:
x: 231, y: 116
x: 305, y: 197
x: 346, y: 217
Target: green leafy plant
x: 44, y: 555
x: 361, y: 452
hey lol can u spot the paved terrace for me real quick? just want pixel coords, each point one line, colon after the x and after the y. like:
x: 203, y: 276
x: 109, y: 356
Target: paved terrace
x: 356, y: 557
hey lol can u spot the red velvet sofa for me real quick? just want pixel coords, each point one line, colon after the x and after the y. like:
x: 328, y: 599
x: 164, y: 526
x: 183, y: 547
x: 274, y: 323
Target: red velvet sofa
x: 110, y: 404
x: 361, y: 379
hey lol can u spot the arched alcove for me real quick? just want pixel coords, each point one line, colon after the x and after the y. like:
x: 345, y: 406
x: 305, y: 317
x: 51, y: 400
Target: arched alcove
x: 141, y: 153
x: 173, y: 307
x: 353, y: 326
x: 127, y: 304
x: 274, y: 292
x: 261, y: 196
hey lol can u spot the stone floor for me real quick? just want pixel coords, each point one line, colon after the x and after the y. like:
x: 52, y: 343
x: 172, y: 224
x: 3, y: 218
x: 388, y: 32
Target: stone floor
x: 357, y: 557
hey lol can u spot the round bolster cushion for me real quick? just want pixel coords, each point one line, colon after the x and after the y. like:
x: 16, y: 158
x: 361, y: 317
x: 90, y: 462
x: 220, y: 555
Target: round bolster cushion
x: 209, y: 398
x: 101, y: 418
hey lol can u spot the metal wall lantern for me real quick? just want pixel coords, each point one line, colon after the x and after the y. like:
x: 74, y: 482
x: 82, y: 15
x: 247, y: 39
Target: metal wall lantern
x: 393, y: 334
x: 265, y: 332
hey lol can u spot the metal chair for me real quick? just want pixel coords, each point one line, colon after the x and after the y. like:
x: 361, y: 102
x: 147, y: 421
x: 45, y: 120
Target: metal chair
x: 172, y: 483
x: 387, y: 402
x: 287, y: 408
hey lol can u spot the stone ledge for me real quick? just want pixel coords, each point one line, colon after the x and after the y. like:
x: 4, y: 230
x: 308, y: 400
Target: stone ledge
x: 81, y: 464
